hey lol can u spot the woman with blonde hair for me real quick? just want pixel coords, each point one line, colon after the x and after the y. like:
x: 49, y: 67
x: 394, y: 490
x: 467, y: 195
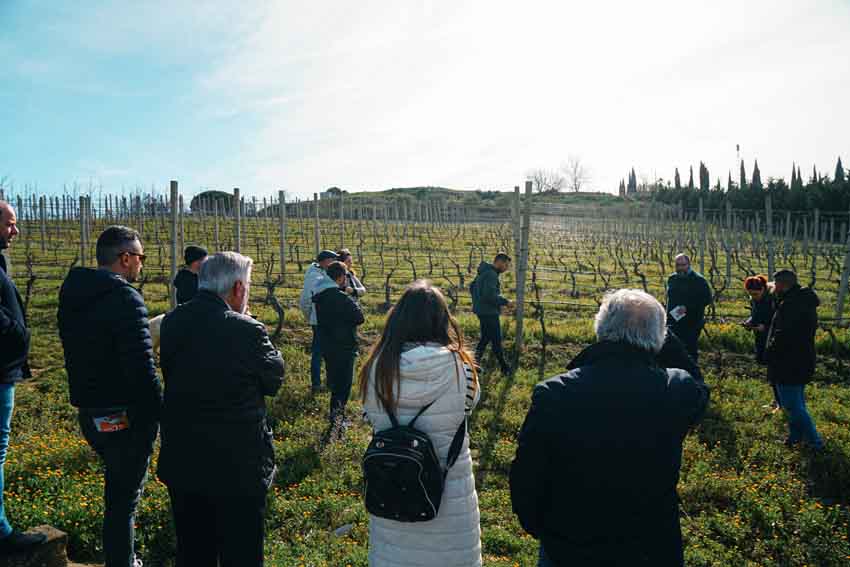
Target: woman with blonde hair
x: 419, y: 360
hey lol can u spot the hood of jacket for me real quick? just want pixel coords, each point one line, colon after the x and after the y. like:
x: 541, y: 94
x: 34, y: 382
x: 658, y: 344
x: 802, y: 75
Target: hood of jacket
x: 607, y: 350
x: 485, y: 267
x: 426, y: 371
x: 84, y: 287
x: 800, y: 295
x: 324, y: 286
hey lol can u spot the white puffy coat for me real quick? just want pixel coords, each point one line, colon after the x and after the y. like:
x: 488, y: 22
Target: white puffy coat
x: 432, y: 373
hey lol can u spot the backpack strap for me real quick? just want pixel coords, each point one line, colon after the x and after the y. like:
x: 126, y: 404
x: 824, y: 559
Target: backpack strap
x: 457, y: 443
x: 413, y: 421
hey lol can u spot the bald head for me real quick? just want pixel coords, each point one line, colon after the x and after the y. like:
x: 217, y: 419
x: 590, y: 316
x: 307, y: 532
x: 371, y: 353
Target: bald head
x: 683, y: 264
x: 8, y: 225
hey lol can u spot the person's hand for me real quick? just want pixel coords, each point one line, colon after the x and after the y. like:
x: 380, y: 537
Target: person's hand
x: 349, y: 290
x: 509, y: 303
x: 684, y: 310
x: 760, y: 328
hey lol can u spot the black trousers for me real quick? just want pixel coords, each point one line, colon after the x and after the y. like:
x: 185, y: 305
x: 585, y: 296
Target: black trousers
x: 218, y: 529
x: 339, y: 365
x: 491, y: 333
x: 125, y: 455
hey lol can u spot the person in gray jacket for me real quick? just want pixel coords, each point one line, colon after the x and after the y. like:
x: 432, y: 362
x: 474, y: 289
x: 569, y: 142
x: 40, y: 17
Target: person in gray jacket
x: 315, y: 278
x: 487, y: 303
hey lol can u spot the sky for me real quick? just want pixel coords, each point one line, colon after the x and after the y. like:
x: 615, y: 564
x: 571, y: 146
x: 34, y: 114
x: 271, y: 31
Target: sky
x: 370, y: 95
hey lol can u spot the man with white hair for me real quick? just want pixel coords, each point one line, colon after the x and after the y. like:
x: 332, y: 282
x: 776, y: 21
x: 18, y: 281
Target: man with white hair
x: 596, y: 467
x: 216, y: 457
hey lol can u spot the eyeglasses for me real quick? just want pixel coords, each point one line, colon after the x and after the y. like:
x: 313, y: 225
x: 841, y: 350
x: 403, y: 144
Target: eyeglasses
x: 142, y: 257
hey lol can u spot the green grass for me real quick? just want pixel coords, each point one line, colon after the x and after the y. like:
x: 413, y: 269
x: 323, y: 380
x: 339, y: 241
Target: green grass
x: 746, y: 499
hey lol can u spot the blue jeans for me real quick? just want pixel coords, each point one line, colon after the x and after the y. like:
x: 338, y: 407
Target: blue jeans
x: 126, y: 455
x: 7, y: 404
x: 792, y: 398
x: 315, y: 360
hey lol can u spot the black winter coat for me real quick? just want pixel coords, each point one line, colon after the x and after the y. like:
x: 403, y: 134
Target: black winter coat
x: 103, y: 325
x: 186, y: 284
x: 761, y: 313
x: 692, y: 291
x: 217, y: 365
x: 338, y: 315
x: 14, y: 334
x: 595, y: 472
x: 486, y: 292
x: 790, y: 349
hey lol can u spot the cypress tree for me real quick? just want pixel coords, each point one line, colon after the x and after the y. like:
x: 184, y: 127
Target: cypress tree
x: 756, y: 183
x: 793, y: 175
x: 814, y: 174
x: 691, y: 180
x: 743, y: 182
x: 704, y: 180
x: 729, y: 182
x: 799, y: 178
x: 839, y: 172
x: 677, y: 182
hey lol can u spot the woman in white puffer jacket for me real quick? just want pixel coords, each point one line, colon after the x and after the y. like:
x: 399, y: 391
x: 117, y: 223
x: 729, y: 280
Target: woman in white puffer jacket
x: 420, y: 359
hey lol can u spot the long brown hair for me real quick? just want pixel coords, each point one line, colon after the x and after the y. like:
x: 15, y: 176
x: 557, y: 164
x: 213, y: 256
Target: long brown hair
x: 420, y: 316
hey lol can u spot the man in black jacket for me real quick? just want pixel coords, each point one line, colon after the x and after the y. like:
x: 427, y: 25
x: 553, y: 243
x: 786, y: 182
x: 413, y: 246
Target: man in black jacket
x: 487, y: 303
x: 186, y: 280
x: 14, y: 350
x: 688, y: 294
x: 791, y: 355
x: 103, y: 325
x: 595, y: 472
x: 216, y: 455
x: 338, y: 315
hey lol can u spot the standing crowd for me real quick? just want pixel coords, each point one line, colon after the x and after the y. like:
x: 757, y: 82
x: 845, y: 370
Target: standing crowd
x: 595, y: 474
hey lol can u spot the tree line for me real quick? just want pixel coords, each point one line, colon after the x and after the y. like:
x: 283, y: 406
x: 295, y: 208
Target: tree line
x: 817, y: 191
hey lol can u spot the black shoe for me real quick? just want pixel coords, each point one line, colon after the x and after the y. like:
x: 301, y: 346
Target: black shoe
x: 18, y: 542
x: 507, y: 370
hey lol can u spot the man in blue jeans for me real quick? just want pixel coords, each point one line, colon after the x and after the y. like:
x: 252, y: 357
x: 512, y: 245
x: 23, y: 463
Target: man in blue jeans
x: 14, y: 350
x: 103, y: 325
x: 315, y: 278
x: 791, y: 356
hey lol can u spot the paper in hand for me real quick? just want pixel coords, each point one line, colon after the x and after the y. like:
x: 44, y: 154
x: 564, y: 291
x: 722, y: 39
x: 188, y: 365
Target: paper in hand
x: 678, y: 312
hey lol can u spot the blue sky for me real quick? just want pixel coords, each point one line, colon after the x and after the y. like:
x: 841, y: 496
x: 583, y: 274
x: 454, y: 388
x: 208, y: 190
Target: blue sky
x: 371, y: 95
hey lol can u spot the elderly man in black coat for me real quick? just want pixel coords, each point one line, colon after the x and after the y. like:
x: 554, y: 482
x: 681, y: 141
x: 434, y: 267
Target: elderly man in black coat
x: 14, y: 351
x: 595, y: 473
x: 217, y: 458
x: 791, y: 354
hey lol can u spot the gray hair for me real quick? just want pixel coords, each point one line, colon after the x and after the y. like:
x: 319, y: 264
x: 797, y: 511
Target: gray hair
x: 682, y: 256
x: 631, y: 316
x: 221, y: 271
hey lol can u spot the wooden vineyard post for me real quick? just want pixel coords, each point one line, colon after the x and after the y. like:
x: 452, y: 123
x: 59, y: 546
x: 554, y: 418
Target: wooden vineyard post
x: 787, y: 245
x: 317, y: 234
x: 83, y: 246
x: 845, y: 275
x: 523, y: 269
x: 281, y: 206
x: 43, y: 222
x: 701, y: 237
x: 215, y: 225
x: 182, y: 227
x: 341, y: 223
x: 517, y: 222
x: 768, y: 226
x: 237, y: 212
x: 175, y: 211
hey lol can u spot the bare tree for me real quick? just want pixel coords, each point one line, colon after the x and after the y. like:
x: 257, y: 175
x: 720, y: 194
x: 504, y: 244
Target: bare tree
x: 577, y: 174
x: 546, y: 180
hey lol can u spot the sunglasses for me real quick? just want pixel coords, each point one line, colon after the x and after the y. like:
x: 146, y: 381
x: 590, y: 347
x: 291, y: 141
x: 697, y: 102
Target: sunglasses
x: 142, y: 257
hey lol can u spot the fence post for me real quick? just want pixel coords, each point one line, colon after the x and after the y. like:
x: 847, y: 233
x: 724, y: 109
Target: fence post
x: 281, y: 205
x: 182, y: 228
x: 237, y: 212
x: 845, y: 276
x: 175, y: 210
x: 215, y: 224
x: 83, y: 239
x: 43, y: 220
x: 701, y: 237
x: 317, y: 235
x: 768, y: 226
x: 517, y: 225
x: 523, y: 269
x: 341, y: 223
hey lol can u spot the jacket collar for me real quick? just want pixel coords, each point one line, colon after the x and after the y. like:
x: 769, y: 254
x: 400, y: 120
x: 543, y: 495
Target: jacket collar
x: 607, y: 350
x: 207, y: 296
x: 3, y: 262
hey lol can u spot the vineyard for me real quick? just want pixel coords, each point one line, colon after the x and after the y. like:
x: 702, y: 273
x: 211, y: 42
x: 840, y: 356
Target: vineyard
x: 747, y: 500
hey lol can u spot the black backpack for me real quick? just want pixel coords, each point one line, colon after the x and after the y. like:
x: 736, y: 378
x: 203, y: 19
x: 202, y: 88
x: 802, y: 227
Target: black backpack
x: 402, y: 476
